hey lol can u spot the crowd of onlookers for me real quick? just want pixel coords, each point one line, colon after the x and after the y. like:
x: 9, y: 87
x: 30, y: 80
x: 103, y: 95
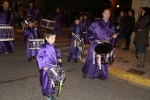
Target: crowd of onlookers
x: 125, y: 24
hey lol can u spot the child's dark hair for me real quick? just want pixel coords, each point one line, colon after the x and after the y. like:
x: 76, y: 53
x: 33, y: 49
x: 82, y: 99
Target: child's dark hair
x: 30, y: 20
x: 49, y: 33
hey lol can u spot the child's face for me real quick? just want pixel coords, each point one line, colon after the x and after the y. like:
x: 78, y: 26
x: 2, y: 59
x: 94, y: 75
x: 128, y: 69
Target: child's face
x: 31, y: 24
x: 77, y: 21
x: 51, y: 39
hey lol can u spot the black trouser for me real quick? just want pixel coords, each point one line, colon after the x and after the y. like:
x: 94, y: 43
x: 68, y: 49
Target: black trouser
x: 128, y: 38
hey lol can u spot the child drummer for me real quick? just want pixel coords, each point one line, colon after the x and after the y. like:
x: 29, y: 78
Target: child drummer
x: 76, y: 30
x: 30, y: 33
x: 48, y: 56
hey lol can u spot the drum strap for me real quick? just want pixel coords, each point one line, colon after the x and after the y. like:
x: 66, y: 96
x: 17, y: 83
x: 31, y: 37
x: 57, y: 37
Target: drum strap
x: 32, y: 32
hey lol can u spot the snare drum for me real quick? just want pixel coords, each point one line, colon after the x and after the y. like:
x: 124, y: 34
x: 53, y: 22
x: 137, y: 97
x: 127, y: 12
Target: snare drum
x: 106, y: 53
x: 56, y: 74
x: 6, y: 33
x: 48, y: 23
x: 35, y: 44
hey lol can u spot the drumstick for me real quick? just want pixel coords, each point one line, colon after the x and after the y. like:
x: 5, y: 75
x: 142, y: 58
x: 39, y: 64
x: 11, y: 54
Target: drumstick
x: 107, y: 40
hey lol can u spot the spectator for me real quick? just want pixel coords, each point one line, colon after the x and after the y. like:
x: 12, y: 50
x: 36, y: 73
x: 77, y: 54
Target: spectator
x: 141, y: 38
x: 128, y: 28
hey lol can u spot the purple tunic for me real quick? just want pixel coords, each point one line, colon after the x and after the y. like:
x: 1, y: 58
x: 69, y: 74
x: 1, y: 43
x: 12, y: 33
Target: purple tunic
x: 97, y: 31
x: 58, y: 17
x: 73, y: 50
x: 47, y: 57
x: 85, y: 25
x: 32, y: 12
x: 28, y: 34
x: 6, y: 46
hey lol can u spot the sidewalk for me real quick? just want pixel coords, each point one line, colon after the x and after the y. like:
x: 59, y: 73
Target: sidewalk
x: 123, y: 68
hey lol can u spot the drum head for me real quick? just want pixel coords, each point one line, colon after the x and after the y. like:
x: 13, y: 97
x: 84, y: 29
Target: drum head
x: 56, y: 74
x: 103, y: 48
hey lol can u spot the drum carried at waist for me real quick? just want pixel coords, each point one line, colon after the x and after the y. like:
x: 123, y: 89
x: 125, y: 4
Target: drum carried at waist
x: 104, y: 53
x: 6, y: 33
x: 35, y: 44
x: 48, y: 23
x: 56, y: 74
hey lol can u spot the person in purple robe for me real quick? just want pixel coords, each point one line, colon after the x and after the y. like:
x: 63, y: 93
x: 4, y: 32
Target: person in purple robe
x: 101, y: 30
x: 81, y: 20
x: 6, y: 18
x: 31, y: 12
x: 85, y: 25
x: 58, y: 17
x: 74, y: 52
x: 48, y: 57
x: 30, y: 33
x: 38, y: 21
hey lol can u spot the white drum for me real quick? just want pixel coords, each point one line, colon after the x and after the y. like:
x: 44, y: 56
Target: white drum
x: 48, y: 23
x: 6, y: 33
x: 35, y: 44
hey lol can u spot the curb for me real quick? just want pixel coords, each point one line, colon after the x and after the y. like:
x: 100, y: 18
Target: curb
x: 129, y: 76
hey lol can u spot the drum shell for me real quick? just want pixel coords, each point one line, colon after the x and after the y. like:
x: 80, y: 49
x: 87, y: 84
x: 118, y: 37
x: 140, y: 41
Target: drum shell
x: 48, y: 24
x: 35, y: 44
x: 56, y: 74
x: 103, y: 48
x: 6, y: 33
x: 106, y: 52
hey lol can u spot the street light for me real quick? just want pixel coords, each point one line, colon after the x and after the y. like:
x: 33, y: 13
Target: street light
x: 117, y: 6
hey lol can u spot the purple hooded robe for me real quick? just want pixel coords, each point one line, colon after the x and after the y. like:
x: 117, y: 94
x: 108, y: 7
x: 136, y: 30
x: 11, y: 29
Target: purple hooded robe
x: 32, y: 12
x: 6, y: 46
x: 74, y: 52
x: 28, y: 34
x: 58, y: 17
x: 85, y: 25
x: 46, y: 57
x: 99, y: 30
x: 38, y: 19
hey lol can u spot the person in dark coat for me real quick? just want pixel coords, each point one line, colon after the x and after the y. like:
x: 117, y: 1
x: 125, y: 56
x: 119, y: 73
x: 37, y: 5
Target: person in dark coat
x: 141, y: 38
x: 119, y: 25
x: 128, y: 28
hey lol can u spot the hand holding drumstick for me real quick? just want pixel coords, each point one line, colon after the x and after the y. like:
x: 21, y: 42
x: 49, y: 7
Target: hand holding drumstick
x: 114, y: 36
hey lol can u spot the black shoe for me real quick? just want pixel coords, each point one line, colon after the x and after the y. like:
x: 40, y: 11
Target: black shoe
x: 29, y: 59
x: 69, y: 60
x: 75, y: 60
x: 83, y: 75
x: 34, y: 57
x: 103, y: 79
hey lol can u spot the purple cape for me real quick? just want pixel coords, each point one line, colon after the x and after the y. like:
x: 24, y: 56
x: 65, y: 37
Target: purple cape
x: 97, y: 31
x: 74, y: 51
x: 28, y: 34
x: 58, y: 17
x: 32, y: 12
x: 6, y: 46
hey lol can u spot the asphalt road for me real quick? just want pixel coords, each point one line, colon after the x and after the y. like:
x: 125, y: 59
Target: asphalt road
x: 19, y: 80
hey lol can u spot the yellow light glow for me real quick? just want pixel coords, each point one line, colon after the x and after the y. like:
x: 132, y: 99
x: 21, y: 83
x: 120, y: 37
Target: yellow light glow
x: 117, y: 6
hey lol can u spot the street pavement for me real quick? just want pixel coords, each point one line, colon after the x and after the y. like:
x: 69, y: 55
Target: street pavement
x: 19, y: 80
